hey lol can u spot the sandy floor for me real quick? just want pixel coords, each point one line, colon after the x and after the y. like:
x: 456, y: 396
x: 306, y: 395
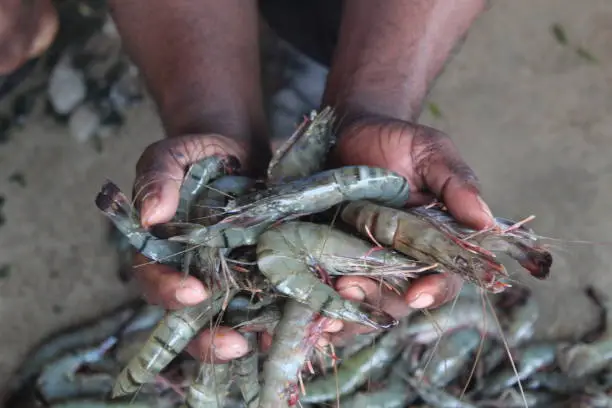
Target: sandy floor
x: 542, y: 111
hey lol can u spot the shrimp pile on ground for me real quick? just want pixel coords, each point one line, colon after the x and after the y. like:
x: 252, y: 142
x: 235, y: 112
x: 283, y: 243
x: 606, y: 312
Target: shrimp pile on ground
x: 253, y: 240
x: 441, y: 360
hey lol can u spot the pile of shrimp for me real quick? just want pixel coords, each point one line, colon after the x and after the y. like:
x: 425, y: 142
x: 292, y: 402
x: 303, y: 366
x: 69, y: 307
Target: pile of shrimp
x: 270, y: 250
x: 407, y: 366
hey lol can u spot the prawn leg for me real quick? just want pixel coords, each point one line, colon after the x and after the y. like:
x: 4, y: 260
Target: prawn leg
x: 167, y: 340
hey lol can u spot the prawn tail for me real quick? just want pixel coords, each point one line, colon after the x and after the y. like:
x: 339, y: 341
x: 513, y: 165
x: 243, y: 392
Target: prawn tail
x: 117, y: 208
x: 536, y: 260
x: 113, y: 203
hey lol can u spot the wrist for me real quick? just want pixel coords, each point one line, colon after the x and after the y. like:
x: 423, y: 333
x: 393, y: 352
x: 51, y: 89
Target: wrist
x: 234, y: 129
x: 389, y: 54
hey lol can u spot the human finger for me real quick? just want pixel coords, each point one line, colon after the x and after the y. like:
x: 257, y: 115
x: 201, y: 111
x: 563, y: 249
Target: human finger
x: 433, y: 290
x: 26, y: 30
x: 163, y: 285
x: 437, y: 161
x: 161, y: 168
x: 363, y: 289
x: 218, y: 345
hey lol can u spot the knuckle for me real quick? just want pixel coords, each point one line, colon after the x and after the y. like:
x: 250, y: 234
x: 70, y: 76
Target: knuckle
x: 150, y: 156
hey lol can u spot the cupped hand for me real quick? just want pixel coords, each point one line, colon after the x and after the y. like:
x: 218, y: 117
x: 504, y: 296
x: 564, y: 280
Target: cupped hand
x: 27, y: 29
x: 432, y: 165
x: 159, y: 174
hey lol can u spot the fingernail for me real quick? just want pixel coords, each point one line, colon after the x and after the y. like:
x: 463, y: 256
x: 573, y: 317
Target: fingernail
x: 333, y: 326
x: 484, y: 206
x: 149, y: 210
x: 353, y: 293
x: 230, y: 351
x: 423, y: 300
x: 190, y: 296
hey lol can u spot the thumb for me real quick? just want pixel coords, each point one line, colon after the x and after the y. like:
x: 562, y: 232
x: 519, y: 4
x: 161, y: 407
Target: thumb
x: 466, y: 204
x: 161, y: 168
x: 454, y: 183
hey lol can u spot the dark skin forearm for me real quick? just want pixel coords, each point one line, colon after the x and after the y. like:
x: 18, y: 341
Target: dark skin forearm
x: 389, y: 53
x: 200, y: 61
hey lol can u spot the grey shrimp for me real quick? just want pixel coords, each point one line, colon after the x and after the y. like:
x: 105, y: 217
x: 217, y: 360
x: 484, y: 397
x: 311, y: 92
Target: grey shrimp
x: 293, y: 340
x: 445, y: 362
x: 357, y: 369
x: 211, y: 387
x: 59, y: 380
x: 583, y: 359
x: 198, y: 176
x: 432, y: 236
x: 167, y: 340
x: 305, y: 152
x: 92, y: 332
x: 287, y: 255
x: 211, y: 205
x: 254, y: 213
x: 246, y: 368
x: 116, y: 206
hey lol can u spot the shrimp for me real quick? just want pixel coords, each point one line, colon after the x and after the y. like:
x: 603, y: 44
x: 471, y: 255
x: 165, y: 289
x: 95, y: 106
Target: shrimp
x: 449, y: 358
x: 394, y: 394
x: 289, y: 270
x: 435, y: 396
x: 432, y: 236
x: 71, y: 338
x: 116, y: 206
x: 246, y: 368
x: 304, y: 153
x: 583, y: 359
x: 210, y: 388
x: 219, y: 194
x: 531, y: 358
x: 293, y: 340
x: 463, y: 313
x: 167, y: 340
x: 58, y: 380
x: 198, y: 176
x: 518, y: 330
x: 355, y: 371
x: 254, y: 213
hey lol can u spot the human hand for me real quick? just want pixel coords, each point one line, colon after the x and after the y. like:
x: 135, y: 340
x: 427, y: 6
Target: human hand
x: 27, y: 29
x: 432, y: 165
x: 159, y: 173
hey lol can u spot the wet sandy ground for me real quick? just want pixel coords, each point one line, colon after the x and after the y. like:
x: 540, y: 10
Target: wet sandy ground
x: 531, y: 116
